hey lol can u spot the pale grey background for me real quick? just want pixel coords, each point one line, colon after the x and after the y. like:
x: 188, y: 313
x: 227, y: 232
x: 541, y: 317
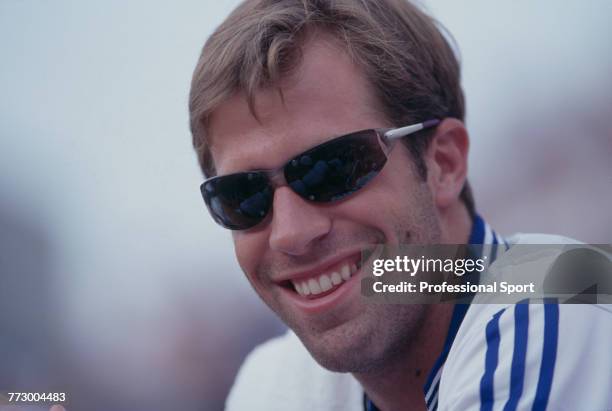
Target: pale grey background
x: 116, y: 285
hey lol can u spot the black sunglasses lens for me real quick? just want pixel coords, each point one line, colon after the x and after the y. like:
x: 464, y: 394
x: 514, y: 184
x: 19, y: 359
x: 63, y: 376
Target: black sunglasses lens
x: 336, y: 169
x: 238, y: 201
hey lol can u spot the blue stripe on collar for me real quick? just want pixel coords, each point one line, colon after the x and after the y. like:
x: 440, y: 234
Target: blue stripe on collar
x: 477, y: 235
x: 456, y: 320
x: 480, y: 234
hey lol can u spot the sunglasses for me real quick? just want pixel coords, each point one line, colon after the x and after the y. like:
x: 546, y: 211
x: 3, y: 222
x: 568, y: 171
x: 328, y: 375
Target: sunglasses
x: 323, y: 174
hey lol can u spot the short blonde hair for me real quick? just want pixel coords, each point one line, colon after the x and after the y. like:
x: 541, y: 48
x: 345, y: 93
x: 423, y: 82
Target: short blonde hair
x: 402, y: 50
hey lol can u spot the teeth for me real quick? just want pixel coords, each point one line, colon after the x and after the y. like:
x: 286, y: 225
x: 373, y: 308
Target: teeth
x: 346, y: 272
x: 324, y: 282
x: 314, y: 286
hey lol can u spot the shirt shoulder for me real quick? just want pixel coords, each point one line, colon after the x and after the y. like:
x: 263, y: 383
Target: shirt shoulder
x: 530, y: 356
x: 280, y: 374
x: 540, y: 238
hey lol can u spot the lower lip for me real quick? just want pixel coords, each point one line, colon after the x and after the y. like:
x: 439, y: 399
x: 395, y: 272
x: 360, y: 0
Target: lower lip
x: 326, y: 302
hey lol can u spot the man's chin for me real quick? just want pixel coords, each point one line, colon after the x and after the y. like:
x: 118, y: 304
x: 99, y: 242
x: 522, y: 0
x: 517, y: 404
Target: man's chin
x: 368, y: 342
x: 347, y: 361
x: 343, y: 349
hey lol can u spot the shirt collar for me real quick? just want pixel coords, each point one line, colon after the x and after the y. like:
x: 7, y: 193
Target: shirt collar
x: 480, y: 234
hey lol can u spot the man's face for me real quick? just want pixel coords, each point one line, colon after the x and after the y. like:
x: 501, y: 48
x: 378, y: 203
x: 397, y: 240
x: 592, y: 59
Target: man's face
x: 299, y: 242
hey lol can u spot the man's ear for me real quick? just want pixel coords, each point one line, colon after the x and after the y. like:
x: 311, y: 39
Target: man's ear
x: 447, y: 162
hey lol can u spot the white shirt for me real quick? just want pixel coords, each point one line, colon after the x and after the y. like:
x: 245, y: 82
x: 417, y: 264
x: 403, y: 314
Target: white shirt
x: 503, y: 357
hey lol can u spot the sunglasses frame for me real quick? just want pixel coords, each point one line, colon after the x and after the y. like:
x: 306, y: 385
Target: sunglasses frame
x: 276, y: 176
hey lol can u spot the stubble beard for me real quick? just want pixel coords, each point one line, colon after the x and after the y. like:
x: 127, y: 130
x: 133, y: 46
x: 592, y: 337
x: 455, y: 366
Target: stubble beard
x: 381, y: 334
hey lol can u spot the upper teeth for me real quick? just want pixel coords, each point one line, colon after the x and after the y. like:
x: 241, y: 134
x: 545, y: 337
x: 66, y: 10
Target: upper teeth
x: 324, y: 282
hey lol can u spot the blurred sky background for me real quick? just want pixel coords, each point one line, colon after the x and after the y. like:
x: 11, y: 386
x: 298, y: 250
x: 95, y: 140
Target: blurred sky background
x: 117, y: 287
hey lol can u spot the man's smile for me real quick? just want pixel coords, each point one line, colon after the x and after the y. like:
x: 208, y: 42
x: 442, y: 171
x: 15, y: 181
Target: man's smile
x: 323, y: 278
x: 324, y: 285
x: 315, y: 287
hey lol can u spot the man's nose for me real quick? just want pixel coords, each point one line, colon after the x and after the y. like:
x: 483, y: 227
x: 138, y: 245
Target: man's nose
x: 296, y: 224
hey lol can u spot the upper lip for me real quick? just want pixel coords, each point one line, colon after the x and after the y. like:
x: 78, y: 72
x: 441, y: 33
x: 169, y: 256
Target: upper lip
x: 321, y: 268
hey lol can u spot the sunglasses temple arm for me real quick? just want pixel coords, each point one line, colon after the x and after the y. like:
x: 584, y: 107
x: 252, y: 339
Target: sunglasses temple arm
x: 404, y: 131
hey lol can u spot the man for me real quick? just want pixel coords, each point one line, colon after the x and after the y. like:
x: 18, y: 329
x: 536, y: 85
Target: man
x: 278, y: 92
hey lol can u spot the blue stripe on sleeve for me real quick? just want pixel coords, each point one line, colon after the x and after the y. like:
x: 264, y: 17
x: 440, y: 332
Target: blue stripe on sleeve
x: 491, y: 357
x: 517, y: 374
x: 549, y: 354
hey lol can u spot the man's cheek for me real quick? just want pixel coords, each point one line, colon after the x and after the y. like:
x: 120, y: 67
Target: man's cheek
x: 248, y: 249
x: 249, y: 254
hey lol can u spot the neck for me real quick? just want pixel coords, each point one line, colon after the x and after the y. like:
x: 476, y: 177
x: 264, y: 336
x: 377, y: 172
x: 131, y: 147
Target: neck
x: 455, y: 224
x: 399, y: 384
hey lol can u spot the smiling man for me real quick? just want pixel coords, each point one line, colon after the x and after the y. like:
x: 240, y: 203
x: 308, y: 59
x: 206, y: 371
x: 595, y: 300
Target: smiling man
x: 327, y: 128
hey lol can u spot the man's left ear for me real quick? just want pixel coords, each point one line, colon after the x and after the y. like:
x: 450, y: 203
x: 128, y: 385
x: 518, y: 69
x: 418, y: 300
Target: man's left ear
x: 447, y: 162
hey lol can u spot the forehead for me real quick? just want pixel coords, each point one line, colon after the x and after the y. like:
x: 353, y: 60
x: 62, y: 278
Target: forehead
x: 326, y: 96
